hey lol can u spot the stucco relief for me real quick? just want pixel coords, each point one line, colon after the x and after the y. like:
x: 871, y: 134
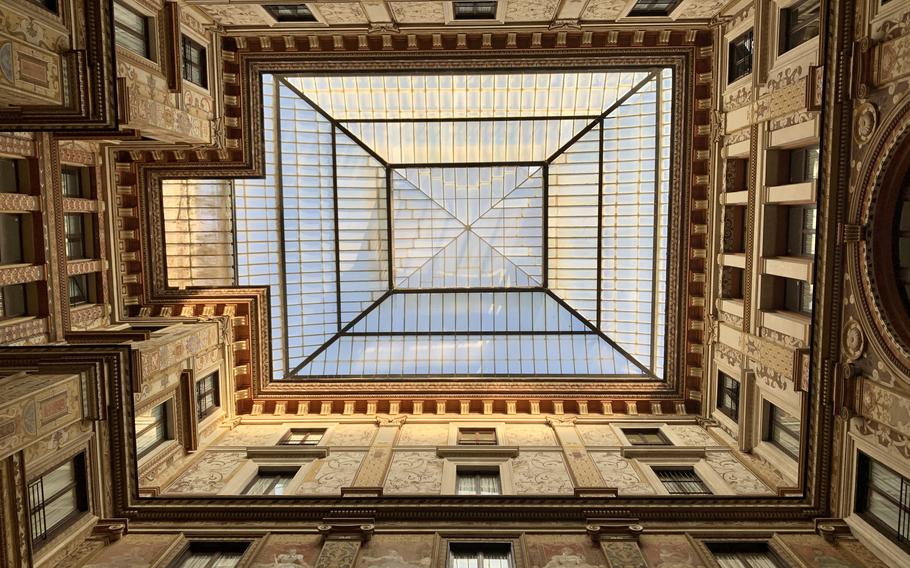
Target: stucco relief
x: 598, y: 435
x: 132, y: 551
x: 396, y: 551
x: 530, y: 10
x: 669, y: 551
x: 735, y: 474
x: 619, y: 473
x: 537, y: 473
x: 327, y: 476
x: 417, y: 12
x: 885, y: 406
x: 700, y: 8
x: 209, y: 474
x: 288, y: 551
x: 816, y: 552
x: 239, y: 14
x: 338, y: 554
x: 691, y: 435
x: 252, y: 435
x: 603, y: 9
x: 424, y: 435
x: 341, y: 13
x: 563, y: 551
x: 352, y: 435
x: 414, y: 472
x: 529, y: 435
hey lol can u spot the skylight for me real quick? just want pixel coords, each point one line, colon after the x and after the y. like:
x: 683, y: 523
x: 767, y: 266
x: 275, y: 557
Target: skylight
x: 449, y: 224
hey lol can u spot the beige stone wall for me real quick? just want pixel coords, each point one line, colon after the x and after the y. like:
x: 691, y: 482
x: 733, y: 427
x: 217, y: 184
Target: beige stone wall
x: 32, y: 40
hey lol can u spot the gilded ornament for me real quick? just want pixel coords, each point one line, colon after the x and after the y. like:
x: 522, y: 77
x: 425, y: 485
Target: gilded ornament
x: 865, y: 121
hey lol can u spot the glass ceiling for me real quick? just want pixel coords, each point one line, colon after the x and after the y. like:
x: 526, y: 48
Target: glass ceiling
x: 462, y: 225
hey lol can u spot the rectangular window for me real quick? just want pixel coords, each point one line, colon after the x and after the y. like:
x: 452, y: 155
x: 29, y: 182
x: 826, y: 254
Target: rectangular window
x: 480, y: 555
x: 681, y: 481
x: 74, y: 224
x: 212, y: 555
x: 478, y: 481
x: 798, y: 24
x: 653, y: 8
x: 740, y: 55
x: 801, y: 230
x: 477, y: 436
x: 74, y: 182
x: 153, y: 428
x: 303, y: 437
x: 270, y: 481
x: 79, y: 289
x: 802, y: 165
x: 645, y: 437
x: 131, y: 30
x: 783, y: 431
x: 9, y: 176
x: 474, y: 10
x: 14, y: 300
x: 290, y: 12
x: 744, y: 555
x: 11, y: 238
x: 883, y: 500
x: 50, y: 5
x: 728, y: 396
x: 195, y: 65
x: 207, y: 398
x: 57, y: 498
x: 798, y: 296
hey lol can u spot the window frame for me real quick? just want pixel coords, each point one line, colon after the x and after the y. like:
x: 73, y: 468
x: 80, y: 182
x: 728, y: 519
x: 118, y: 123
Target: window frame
x: 83, y: 236
x: 218, y: 546
x: 22, y: 233
x: 473, y: 436
x: 27, y: 298
x: 658, y: 469
x: 736, y: 68
x: 286, y: 439
x: 277, y: 472
x: 740, y: 547
x: 478, y: 549
x: 769, y: 430
x: 82, y: 176
x: 477, y: 472
x: 860, y: 501
x: 646, y: 8
x: 308, y: 16
x: 474, y: 6
x: 168, y: 431
x: 731, y: 412
x: 85, y: 290
x: 79, y: 483
x: 204, y: 412
x: 145, y: 35
x: 189, y: 46
x: 635, y: 436
x: 786, y: 41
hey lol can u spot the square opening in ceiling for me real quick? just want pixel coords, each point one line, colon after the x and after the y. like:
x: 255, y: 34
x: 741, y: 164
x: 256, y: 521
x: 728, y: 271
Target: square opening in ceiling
x: 494, y: 224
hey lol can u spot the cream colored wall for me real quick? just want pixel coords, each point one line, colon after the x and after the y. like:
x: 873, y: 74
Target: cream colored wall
x: 32, y: 40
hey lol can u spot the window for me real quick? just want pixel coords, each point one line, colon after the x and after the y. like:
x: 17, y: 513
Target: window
x: 153, y: 428
x: 57, y: 498
x: 902, y: 245
x: 75, y: 226
x: 681, y: 481
x: 79, y: 289
x: 744, y: 555
x: 480, y: 555
x: 477, y: 436
x: 131, y: 30
x: 212, y: 555
x: 195, y: 65
x: 803, y: 164
x: 478, y: 481
x: 474, y: 10
x: 883, y: 500
x: 9, y: 176
x: 290, y: 12
x: 798, y: 24
x: 653, y: 7
x: 801, y: 230
x: 48, y: 4
x: 740, y: 63
x: 14, y: 301
x: 783, y: 431
x: 728, y: 396
x: 645, y: 437
x: 270, y: 481
x: 11, y: 233
x: 303, y: 437
x: 74, y: 182
x: 798, y: 296
x: 207, y: 398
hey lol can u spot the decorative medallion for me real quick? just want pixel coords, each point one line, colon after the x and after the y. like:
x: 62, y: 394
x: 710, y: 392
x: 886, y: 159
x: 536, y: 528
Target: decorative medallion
x: 854, y: 341
x: 865, y: 121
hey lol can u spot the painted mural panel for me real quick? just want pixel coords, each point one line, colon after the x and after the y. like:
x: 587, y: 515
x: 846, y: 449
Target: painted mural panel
x: 813, y: 550
x: 133, y: 551
x: 598, y: 434
x: 396, y: 551
x: 209, y: 474
x: 353, y: 435
x: 737, y: 476
x: 541, y: 473
x: 669, y: 551
x: 253, y: 435
x: 328, y: 475
x: 288, y: 551
x: 692, y: 435
x: 620, y: 473
x: 529, y: 435
x: 563, y: 551
x: 414, y: 472
x: 424, y: 435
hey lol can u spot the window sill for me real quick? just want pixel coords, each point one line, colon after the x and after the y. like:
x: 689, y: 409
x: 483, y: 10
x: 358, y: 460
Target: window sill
x: 791, y: 193
x: 477, y: 451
